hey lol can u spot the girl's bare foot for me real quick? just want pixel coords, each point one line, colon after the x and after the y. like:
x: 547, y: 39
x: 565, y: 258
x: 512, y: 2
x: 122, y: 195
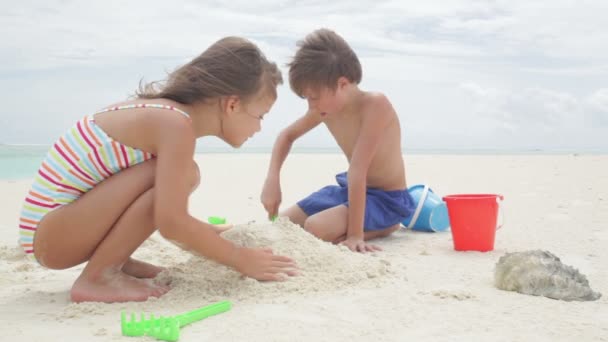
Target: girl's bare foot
x: 140, y: 269
x: 114, y: 286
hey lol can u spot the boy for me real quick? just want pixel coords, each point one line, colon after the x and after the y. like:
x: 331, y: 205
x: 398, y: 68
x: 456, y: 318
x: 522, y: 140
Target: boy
x: 371, y: 199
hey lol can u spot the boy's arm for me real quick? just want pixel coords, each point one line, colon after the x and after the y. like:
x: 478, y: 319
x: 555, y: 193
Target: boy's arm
x: 271, y: 194
x: 286, y: 138
x: 375, y: 121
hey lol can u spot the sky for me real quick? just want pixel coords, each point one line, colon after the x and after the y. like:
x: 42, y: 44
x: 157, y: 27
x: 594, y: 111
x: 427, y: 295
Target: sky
x: 461, y: 74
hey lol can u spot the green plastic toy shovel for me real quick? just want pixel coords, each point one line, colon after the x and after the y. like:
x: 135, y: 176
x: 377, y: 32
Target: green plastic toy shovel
x: 167, y: 328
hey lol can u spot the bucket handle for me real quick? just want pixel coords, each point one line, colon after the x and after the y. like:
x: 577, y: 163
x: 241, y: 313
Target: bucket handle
x: 501, y: 210
x: 421, y: 200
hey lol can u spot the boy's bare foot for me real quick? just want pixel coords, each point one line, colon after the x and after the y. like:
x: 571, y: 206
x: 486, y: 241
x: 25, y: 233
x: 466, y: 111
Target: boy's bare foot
x: 141, y: 269
x: 114, y: 286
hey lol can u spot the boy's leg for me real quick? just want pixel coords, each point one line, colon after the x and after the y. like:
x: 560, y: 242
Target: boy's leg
x: 295, y: 215
x: 331, y: 225
x: 373, y: 234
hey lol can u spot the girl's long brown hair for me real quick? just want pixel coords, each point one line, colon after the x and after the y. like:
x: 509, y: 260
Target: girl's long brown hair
x: 231, y: 66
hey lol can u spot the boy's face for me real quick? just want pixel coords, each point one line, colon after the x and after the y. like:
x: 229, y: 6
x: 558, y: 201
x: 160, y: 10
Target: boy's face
x: 322, y: 100
x: 325, y: 100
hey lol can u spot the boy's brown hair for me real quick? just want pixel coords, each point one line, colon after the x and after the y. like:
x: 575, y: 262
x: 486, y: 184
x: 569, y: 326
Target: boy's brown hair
x: 323, y: 57
x: 231, y: 66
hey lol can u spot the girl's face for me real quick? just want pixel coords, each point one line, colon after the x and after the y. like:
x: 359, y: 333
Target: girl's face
x: 245, y: 119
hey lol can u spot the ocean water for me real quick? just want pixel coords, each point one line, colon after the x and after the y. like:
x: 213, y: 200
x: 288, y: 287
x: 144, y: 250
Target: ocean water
x: 22, y: 161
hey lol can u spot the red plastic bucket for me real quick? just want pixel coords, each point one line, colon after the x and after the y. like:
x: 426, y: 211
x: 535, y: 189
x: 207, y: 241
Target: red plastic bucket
x: 473, y: 220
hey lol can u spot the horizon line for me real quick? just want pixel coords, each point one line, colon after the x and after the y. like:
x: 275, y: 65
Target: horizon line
x: 318, y: 149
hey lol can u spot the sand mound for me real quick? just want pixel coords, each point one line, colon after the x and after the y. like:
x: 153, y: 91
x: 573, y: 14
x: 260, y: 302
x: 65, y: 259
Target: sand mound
x: 322, y: 265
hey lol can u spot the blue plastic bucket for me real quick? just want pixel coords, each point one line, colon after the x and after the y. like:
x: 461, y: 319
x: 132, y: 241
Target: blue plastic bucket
x: 431, y: 214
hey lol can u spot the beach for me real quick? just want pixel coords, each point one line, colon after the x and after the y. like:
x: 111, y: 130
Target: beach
x: 418, y: 288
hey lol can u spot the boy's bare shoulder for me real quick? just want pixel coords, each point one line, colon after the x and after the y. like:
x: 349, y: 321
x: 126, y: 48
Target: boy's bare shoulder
x: 378, y: 105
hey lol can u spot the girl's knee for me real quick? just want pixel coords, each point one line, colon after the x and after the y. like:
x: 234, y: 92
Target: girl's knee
x: 56, y: 261
x: 195, y: 179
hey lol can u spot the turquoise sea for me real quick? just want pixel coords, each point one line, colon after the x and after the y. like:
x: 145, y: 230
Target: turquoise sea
x: 22, y: 161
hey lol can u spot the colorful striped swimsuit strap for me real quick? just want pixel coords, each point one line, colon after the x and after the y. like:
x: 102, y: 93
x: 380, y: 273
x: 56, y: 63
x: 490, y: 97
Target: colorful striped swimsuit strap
x: 145, y: 105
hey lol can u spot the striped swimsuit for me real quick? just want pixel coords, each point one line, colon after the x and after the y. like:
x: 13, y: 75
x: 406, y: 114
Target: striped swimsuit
x: 82, y: 158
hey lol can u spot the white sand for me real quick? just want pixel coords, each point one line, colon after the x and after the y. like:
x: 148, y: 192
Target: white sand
x: 418, y: 288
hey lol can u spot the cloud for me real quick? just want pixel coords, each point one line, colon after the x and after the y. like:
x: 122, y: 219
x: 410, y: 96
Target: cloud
x: 539, y: 117
x: 471, y: 69
x: 598, y: 107
x: 530, y: 106
x: 102, y: 31
x: 599, y: 100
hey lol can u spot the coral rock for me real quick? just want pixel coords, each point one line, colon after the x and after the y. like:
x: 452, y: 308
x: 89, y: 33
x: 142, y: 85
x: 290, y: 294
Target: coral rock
x: 540, y: 273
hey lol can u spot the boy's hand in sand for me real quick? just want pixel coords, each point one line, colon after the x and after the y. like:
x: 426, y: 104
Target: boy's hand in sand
x: 262, y: 264
x: 271, y: 196
x: 359, y: 245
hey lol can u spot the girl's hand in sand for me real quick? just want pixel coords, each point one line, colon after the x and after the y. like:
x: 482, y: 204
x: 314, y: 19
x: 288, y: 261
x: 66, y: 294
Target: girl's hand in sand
x: 358, y: 245
x: 262, y: 264
x: 271, y: 196
x: 220, y: 228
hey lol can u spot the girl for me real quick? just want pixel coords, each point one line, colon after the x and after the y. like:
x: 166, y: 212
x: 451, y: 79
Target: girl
x: 120, y: 174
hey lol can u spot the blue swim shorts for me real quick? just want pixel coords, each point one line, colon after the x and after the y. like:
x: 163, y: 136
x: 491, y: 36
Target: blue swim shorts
x: 382, y: 208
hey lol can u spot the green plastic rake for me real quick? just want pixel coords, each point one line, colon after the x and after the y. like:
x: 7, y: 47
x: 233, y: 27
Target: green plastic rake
x: 167, y: 328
